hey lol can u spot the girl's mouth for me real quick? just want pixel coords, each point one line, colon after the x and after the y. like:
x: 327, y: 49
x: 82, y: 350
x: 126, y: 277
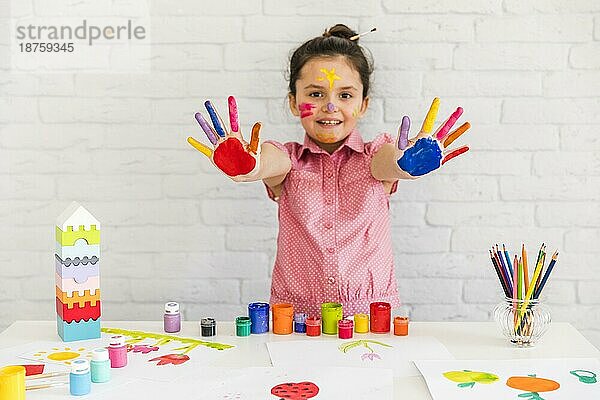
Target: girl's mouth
x: 329, y: 122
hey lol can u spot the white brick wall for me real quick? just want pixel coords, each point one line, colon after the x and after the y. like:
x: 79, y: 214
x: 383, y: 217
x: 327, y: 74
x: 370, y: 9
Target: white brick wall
x: 527, y: 74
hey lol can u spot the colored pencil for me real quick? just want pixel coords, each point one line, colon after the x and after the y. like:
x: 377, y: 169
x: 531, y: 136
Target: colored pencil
x: 546, y: 275
x: 500, y: 277
x: 507, y: 276
x: 510, y: 268
x: 525, y: 270
x: 536, y: 275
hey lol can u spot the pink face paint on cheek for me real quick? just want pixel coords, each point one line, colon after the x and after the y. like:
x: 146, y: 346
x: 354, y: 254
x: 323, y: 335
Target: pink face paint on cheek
x: 305, y: 109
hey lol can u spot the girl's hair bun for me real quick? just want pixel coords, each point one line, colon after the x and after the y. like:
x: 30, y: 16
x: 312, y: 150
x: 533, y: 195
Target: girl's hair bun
x: 341, y: 31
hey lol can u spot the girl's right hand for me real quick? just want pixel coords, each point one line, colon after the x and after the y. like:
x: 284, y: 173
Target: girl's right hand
x: 238, y: 159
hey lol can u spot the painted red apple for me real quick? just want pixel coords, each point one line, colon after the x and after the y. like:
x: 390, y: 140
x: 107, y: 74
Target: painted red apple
x: 295, y: 391
x: 231, y: 157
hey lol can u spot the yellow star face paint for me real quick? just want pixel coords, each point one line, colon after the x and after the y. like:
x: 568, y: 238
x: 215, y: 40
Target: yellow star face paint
x: 330, y: 76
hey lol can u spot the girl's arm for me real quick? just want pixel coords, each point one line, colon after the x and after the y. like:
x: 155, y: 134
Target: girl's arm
x: 384, y: 166
x: 274, y: 165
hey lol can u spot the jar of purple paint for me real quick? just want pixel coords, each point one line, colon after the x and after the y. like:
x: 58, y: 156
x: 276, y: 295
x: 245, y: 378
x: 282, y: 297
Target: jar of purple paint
x: 172, y: 318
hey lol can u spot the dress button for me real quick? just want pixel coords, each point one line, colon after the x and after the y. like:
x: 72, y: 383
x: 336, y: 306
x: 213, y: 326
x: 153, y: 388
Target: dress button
x: 328, y: 202
x: 331, y: 280
x: 329, y: 174
x: 328, y: 225
x: 331, y: 250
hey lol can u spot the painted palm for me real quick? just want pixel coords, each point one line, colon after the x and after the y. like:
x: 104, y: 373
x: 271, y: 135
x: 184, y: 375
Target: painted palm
x: 426, y: 152
x: 231, y: 154
x: 367, y: 344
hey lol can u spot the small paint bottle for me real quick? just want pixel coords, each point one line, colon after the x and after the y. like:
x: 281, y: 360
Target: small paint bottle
x: 361, y: 323
x: 331, y: 313
x: 117, y: 351
x: 381, y: 315
x: 172, y: 317
x: 345, y: 328
x: 100, y: 365
x: 242, y: 326
x: 259, y: 315
x: 313, y: 326
x: 401, y: 326
x: 283, y: 318
x: 208, y: 327
x: 80, y: 382
x: 300, y: 322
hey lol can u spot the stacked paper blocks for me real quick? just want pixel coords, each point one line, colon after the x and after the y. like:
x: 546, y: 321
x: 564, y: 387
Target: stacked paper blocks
x: 77, y: 274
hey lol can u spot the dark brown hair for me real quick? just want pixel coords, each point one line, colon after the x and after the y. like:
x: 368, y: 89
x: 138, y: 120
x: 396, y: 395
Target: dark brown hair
x: 334, y: 42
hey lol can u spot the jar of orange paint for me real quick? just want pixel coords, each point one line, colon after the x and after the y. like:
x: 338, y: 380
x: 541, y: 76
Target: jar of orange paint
x: 401, y: 326
x: 283, y: 318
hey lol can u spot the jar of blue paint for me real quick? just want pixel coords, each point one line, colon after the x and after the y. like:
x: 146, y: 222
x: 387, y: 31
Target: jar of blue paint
x: 300, y: 322
x: 259, y: 315
x: 80, y: 382
x: 100, y: 365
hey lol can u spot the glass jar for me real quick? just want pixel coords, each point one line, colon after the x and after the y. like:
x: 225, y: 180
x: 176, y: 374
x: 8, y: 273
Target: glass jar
x: 522, y: 322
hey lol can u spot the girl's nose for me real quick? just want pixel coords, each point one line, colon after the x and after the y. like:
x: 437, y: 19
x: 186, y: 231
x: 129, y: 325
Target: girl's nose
x: 330, y: 107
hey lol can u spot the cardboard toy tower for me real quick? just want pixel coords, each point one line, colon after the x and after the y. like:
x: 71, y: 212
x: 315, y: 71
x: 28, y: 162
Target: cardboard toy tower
x: 77, y: 274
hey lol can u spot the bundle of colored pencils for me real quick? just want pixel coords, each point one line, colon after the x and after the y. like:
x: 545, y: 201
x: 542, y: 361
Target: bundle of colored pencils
x: 515, y: 281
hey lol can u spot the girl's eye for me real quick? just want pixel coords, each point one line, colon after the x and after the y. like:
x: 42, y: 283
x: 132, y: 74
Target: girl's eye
x: 316, y: 94
x: 345, y: 96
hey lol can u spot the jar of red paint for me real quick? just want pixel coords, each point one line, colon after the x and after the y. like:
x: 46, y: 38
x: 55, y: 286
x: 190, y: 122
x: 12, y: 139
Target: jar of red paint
x: 345, y: 328
x: 313, y: 326
x: 381, y: 315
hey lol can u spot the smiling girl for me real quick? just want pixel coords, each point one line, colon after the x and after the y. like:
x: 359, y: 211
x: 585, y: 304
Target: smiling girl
x: 334, y: 242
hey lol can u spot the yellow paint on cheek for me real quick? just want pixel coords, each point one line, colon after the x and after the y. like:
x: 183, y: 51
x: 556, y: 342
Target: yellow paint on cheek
x: 355, y: 112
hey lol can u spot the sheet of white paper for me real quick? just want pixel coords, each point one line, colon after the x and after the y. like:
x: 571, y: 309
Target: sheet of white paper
x: 474, y: 386
x: 258, y: 382
x: 139, y: 364
x: 393, y: 352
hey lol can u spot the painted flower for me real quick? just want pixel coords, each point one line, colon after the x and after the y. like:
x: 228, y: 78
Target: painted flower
x: 143, y: 348
x: 174, y: 359
x: 370, y: 356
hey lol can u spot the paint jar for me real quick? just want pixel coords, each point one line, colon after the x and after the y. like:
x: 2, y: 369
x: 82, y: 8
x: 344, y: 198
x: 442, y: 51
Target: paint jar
x: 331, y: 313
x: 172, y: 317
x: 381, y: 315
x: 361, y: 323
x: 100, y: 365
x: 401, y: 326
x: 345, y: 328
x: 259, y: 315
x: 300, y: 322
x: 80, y: 382
x: 313, y: 326
x: 283, y: 315
x: 242, y: 326
x: 208, y: 327
x: 117, y: 351
x: 12, y: 382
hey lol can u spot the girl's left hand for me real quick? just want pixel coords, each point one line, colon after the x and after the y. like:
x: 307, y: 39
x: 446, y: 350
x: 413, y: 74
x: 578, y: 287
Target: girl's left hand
x: 424, y: 153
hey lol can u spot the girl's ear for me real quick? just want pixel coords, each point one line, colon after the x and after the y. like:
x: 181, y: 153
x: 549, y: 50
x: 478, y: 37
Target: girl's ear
x: 293, y: 105
x: 364, y: 106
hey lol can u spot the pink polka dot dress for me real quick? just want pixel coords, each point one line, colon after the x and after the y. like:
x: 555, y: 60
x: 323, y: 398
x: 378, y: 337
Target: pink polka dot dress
x: 334, y: 241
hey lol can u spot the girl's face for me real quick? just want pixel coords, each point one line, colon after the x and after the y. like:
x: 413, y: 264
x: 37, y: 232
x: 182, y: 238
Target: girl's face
x: 328, y: 100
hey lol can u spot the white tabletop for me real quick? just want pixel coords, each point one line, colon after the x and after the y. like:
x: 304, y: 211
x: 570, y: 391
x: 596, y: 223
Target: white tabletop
x: 464, y: 340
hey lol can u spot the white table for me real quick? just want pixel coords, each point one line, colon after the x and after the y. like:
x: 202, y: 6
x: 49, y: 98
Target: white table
x: 464, y: 340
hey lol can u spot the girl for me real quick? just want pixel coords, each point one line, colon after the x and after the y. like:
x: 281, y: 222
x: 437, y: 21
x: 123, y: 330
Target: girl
x: 334, y: 242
